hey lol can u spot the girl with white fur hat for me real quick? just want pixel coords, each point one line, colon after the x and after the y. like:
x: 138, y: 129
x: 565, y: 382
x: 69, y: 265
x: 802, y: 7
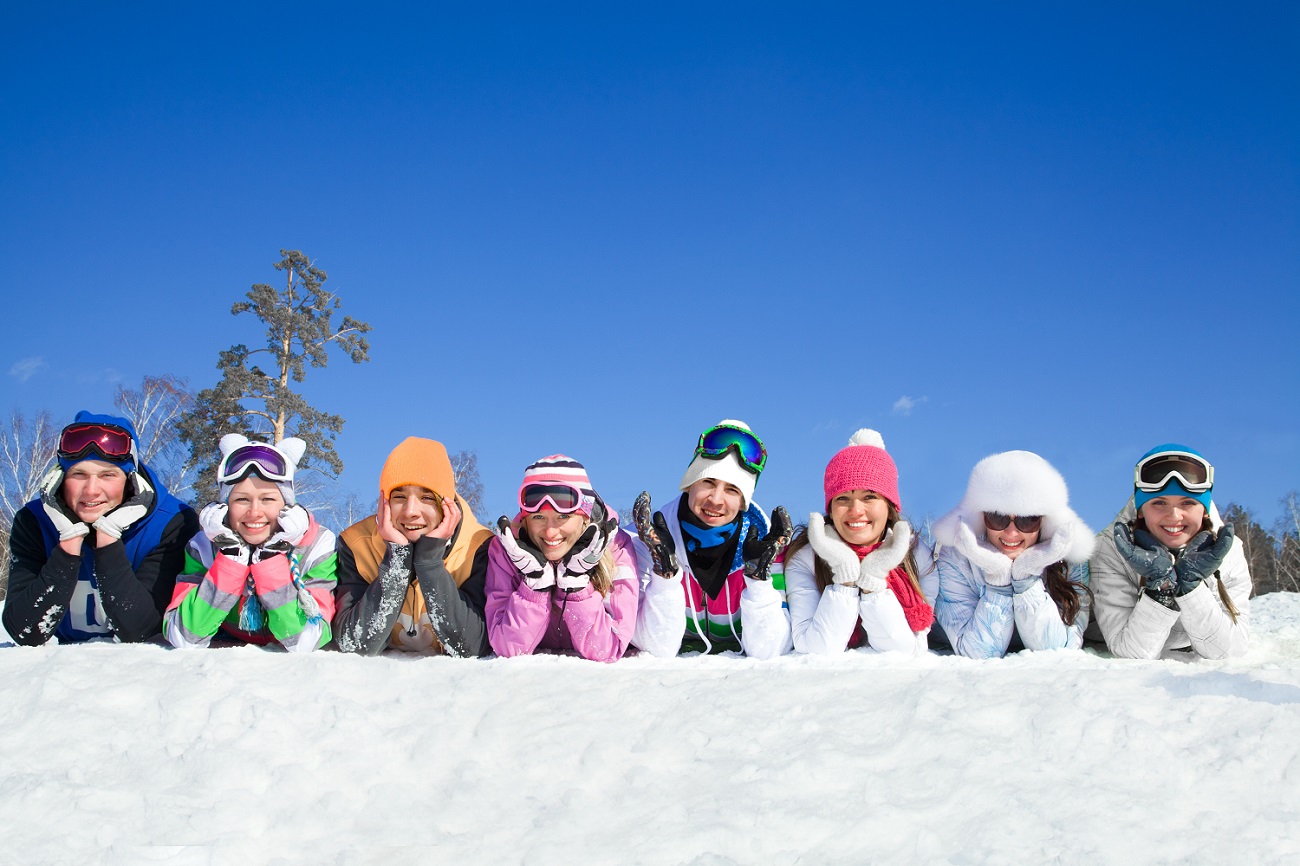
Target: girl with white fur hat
x: 262, y: 569
x: 856, y: 581
x: 1013, y: 571
x: 710, y: 579
x: 1170, y: 574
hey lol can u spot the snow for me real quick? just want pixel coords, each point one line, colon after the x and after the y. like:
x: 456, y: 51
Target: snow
x: 128, y: 754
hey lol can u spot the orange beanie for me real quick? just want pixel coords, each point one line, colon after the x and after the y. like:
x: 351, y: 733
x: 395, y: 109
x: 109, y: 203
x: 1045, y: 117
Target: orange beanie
x: 418, y: 461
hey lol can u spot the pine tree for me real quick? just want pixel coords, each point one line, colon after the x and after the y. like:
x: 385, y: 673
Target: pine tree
x: 261, y: 403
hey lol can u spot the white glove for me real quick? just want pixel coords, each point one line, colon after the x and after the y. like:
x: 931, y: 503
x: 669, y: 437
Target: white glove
x: 995, y: 566
x: 877, y: 564
x: 63, y: 518
x: 212, y: 520
x: 119, y: 520
x: 537, y: 572
x: 827, y: 544
x: 570, y: 581
x: 293, y: 521
x: 1032, y: 562
x: 544, y: 579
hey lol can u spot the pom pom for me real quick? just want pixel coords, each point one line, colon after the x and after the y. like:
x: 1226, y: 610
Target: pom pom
x: 867, y: 436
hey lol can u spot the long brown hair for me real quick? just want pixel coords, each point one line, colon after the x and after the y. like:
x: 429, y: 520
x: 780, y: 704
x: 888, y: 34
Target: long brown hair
x: 1064, y: 591
x: 1140, y: 522
x: 822, y: 569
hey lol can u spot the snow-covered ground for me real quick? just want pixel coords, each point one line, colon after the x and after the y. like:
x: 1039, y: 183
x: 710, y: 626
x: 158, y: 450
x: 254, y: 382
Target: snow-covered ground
x: 127, y: 754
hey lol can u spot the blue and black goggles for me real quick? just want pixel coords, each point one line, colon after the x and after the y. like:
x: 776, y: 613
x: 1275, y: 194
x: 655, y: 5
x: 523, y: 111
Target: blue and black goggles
x: 717, y: 441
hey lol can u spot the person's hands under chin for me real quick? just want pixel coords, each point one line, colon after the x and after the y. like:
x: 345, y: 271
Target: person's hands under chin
x: 384, y: 522
x: 450, y: 520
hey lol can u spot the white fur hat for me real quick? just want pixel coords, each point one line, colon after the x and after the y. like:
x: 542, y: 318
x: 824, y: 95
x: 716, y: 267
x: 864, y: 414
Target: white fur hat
x: 726, y: 468
x: 290, y: 449
x: 1022, y: 484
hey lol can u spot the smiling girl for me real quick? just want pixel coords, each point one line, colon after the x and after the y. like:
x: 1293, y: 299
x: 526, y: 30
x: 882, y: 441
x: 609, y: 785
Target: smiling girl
x: 562, y: 575
x: 262, y: 569
x: 856, y: 581
x: 1170, y: 575
x: 1013, y: 570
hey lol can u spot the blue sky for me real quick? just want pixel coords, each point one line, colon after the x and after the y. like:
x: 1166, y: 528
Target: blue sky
x: 1070, y: 228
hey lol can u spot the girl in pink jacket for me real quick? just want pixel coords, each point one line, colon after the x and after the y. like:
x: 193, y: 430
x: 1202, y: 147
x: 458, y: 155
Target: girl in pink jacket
x: 562, y: 576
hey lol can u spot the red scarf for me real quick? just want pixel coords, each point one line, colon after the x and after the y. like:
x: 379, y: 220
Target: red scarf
x: 920, y: 615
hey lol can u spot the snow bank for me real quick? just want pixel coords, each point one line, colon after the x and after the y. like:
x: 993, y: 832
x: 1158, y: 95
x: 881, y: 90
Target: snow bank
x: 126, y: 754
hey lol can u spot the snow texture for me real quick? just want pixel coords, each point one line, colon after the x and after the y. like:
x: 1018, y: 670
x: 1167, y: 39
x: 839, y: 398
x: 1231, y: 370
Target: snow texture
x: 138, y: 753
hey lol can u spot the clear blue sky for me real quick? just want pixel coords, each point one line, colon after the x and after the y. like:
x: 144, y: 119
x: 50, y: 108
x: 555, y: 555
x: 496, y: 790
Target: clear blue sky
x: 1071, y: 228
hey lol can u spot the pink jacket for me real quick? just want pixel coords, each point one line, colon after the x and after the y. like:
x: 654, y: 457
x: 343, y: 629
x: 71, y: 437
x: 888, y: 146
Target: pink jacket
x: 521, y: 620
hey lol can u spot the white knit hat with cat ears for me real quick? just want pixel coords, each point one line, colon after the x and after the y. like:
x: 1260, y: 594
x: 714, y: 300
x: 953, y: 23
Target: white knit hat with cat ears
x: 291, y: 449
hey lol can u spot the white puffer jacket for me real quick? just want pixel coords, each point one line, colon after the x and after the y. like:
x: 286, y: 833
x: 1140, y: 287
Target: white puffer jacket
x: 1136, y: 626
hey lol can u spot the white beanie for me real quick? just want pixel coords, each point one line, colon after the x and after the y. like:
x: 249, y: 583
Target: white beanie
x: 727, y: 468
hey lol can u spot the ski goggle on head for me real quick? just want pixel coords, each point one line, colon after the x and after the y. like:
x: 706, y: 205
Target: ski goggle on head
x: 1192, y: 471
x: 563, y: 498
x: 262, y: 459
x: 105, y: 440
x: 717, y: 441
x: 997, y: 522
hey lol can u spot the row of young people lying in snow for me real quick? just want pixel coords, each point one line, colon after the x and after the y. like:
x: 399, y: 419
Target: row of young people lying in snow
x: 106, y: 551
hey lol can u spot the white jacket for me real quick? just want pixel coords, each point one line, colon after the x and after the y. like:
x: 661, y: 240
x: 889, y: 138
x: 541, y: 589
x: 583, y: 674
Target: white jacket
x: 980, y: 620
x: 661, y: 616
x: 1136, y: 626
x: 821, y: 622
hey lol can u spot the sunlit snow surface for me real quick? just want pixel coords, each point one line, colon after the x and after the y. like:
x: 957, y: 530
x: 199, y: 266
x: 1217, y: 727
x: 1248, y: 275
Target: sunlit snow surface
x: 125, y: 754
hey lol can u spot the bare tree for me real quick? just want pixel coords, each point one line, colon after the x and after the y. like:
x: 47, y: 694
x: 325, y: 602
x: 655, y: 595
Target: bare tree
x: 156, y: 408
x: 26, y: 448
x: 1288, y: 535
x: 464, y: 466
x: 331, y: 504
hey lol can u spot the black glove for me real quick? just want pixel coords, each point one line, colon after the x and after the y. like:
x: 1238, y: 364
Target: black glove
x: 1202, y: 558
x: 653, y: 532
x: 1151, y: 559
x: 759, y: 552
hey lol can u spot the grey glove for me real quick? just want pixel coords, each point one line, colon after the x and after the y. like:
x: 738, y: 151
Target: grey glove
x: 1150, y: 559
x: 294, y: 522
x: 1202, y: 558
x: 995, y: 565
x: 64, y: 519
x: 212, y: 520
x: 877, y: 564
x: 1030, y: 563
x: 827, y: 544
x: 119, y: 520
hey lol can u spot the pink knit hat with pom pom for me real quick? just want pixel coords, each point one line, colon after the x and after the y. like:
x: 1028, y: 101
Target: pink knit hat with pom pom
x: 863, y: 465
